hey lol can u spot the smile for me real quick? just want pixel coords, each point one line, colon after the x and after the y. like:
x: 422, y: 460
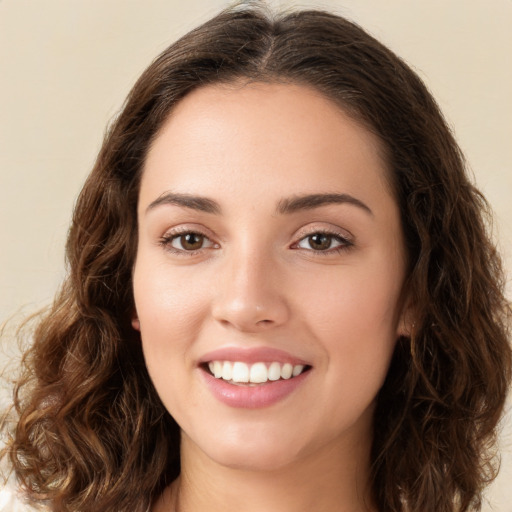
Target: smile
x: 252, y: 378
x: 238, y: 372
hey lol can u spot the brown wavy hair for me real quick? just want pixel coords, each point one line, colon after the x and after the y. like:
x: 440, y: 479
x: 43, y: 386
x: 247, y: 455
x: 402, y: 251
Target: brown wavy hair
x: 91, y: 432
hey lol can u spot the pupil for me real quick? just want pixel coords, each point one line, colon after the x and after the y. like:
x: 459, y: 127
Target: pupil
x: 320, y: 241
x: 192, y: 241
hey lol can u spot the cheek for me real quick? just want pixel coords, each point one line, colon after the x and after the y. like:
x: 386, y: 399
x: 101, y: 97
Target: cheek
x: 169, y: 309
x: 170, y: 315
x: 161, y: 295
x: 356, y: 303
x: 355, y: 319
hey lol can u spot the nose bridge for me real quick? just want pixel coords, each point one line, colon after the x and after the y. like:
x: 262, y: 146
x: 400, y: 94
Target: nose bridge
x: 249, y: 295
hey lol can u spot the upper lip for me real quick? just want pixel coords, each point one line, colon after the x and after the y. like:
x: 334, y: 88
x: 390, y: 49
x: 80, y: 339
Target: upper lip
x: 251, y: 356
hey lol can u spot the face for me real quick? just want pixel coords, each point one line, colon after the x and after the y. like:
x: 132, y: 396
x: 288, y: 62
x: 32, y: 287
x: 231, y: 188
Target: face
x: 268, y: 275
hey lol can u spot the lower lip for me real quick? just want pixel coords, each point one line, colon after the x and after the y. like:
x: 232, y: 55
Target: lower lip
x: 252, y: 396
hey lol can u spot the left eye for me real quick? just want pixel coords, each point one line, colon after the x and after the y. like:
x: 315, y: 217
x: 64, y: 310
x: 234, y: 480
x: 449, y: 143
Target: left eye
x: 190, y: 242
x: 322, y: 242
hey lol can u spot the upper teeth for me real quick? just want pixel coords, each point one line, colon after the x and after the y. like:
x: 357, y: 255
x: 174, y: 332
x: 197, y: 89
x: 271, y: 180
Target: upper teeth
x: 256, y: 373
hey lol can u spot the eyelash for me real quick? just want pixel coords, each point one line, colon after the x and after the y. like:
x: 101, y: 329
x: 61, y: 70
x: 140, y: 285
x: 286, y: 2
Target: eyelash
x: 167, y: 240
x: 345, y: 244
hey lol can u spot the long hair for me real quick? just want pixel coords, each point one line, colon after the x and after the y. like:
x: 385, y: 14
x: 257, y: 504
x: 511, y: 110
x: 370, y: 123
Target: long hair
x: 93, y: 435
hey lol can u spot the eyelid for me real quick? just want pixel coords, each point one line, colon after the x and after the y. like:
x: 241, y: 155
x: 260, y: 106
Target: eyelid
x: 179, y: 236
x: 181, y: 229
x: 345, y: 238
x: 328, y: 229
x: 173, y: 233
x: 340, y: 241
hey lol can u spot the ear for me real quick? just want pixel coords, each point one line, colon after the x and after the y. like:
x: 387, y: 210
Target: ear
x: 135, y: 321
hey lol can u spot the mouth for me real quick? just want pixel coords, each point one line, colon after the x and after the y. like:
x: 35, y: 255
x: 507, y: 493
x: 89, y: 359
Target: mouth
x: 243, y: 374
x: 253, y: 378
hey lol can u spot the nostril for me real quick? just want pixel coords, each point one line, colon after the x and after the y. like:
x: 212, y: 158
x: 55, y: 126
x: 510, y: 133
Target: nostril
x: 250, y: 315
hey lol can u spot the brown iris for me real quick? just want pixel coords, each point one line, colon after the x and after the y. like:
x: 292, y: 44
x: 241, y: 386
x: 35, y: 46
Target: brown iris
x: 191, y: 241
x: 320, y: 241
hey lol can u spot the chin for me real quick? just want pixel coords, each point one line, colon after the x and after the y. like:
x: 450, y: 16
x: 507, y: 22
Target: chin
x: 254, y: 459
x: 248, y: 449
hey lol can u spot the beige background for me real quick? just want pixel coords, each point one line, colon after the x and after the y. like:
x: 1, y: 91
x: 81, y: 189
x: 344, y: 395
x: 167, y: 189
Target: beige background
x: 66, y: 66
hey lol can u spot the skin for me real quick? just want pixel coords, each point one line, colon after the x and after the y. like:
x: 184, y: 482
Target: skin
x: 258, y: 281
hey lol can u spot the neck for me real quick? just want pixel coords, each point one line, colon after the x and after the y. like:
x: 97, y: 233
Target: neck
x: 333, y: 479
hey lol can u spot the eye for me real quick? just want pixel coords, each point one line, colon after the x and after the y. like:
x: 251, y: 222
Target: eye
x: 323, y: 242
x: 188, y: 241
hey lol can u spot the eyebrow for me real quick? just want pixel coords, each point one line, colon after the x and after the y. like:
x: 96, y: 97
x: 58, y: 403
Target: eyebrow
x: 311, y: 201
x: 202, y: 204
x: 284, y: 206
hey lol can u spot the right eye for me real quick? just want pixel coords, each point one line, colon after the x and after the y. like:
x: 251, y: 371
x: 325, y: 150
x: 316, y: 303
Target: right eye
x: 189, y: 241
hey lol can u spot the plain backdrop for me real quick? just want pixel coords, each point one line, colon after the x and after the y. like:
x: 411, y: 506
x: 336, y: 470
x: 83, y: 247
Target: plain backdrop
x: 67, y: 65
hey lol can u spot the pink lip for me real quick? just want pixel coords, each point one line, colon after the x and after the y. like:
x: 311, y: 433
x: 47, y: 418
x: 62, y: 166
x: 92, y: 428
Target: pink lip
x: 255, y: 396
x: 251, y: 356
x: 252, y: 397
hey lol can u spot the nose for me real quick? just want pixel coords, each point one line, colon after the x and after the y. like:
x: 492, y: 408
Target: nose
x: 251, y: 294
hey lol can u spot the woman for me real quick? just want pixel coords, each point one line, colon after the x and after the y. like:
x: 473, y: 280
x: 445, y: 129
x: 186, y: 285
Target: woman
x: 281, y: 292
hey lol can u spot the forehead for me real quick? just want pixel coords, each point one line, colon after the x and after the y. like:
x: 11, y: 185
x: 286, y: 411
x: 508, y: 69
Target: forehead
x: 226, y: 136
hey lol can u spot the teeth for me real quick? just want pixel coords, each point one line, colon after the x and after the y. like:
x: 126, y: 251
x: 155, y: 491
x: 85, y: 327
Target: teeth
x: 257, y: 373
x: 217, y: 369
x: 240, y: 372
x: 227, y: 370
x: 297, y: 370
x: 274, y: 371
x: 286, y: 371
